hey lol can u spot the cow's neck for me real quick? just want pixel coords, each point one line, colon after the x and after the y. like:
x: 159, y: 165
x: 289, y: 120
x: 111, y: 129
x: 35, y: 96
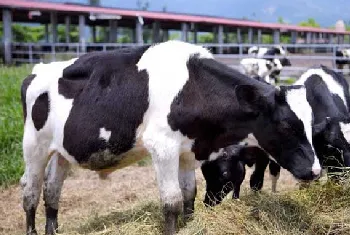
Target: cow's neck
x: 231, y: 125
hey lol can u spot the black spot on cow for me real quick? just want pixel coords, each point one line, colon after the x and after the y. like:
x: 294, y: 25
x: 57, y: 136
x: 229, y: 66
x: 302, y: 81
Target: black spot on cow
x: 40, y: 111
x: 25, y: 84
x: 268, y: 65
x: 117, y: 104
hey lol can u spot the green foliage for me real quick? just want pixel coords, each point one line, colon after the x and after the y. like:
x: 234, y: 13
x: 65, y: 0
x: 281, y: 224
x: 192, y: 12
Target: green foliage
x: 11, y: 124
x: 280, y: 20
x: 206, y: 38
x: 24, y: 33
x: 310, y: 23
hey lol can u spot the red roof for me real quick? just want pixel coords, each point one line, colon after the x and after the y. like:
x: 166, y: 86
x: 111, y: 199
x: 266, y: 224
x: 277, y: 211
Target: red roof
x: 166, y: 16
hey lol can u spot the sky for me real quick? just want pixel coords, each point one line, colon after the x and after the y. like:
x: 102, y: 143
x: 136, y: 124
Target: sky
x: 326, y: 12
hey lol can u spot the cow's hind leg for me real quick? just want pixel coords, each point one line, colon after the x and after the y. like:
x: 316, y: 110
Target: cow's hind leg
x: 187, y: 179
x: 35, y: 157
x: 165, y: 158
x: 55, y: 174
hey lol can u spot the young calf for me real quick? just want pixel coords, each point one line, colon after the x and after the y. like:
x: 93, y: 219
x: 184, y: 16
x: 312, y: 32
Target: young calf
x: 106, y: 110
x: 227, y: 172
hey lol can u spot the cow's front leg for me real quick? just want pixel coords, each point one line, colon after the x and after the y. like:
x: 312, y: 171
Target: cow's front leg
x: 187, y: 179
x: 165, y: 158
x: 55, y: 174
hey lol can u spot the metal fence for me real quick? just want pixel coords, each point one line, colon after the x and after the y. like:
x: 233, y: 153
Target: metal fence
x: 302, y: 56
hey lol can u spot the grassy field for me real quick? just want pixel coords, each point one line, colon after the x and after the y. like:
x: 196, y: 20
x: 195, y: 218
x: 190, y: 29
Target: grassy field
x: 11, y: 123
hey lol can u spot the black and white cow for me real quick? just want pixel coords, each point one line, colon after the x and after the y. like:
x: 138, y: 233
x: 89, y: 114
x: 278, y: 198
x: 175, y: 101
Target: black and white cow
x: 106, y: 110
x: 329, y: 97
x: 270, y: 54
x: 265, y: 69
x: 261, y: 52
x: 343, y: 58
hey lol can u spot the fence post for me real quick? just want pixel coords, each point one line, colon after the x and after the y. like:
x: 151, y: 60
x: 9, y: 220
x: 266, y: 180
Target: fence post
x: 30, y: 54
x: 240, y: 50
x: 334, y: 56
x: 53, y: 52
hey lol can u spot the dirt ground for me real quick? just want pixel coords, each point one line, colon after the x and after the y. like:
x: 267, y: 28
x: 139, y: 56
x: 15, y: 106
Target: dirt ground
x: 84, y: 195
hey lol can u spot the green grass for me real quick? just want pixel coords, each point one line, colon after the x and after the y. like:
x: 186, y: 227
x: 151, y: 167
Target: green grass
x: 11, y: 123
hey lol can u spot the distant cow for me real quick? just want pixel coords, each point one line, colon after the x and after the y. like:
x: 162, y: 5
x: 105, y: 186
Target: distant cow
x: 262, y: 68
x: 107, y: 110
x: 261, y: 52
x: 343, y: 58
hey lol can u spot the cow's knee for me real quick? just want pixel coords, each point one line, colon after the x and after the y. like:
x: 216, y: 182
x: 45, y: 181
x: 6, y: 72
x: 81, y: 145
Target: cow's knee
x: 187, y: 179
x: 165, y: 158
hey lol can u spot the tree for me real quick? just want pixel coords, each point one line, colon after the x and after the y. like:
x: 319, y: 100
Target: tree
x: 94, y: 2
x: 311, y: 22
x: 280, y: 20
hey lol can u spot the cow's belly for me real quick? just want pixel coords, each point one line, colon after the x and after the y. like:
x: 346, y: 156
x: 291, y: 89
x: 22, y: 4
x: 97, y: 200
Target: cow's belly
x: 106, y: 162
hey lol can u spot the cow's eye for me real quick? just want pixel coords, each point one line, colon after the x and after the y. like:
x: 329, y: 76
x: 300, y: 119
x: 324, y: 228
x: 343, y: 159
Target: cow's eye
x: 225, y: 174
x: 224, y: 154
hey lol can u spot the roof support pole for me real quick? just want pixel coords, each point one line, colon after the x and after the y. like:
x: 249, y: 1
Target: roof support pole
x: 156, y: 32
x: 259, y: 36
x: 276, y: 36
x: 239, y: 35
x: 53, y: 21
x: 308, y: 37
x: 94, y: 36
x: 184, y: 32
x: 113, y: 26
x: 165, y: 35
x: 294, y: 36
x: 67, y: 23
x: 7, y: 34
x: 82, y: 37
x: 47, y: 34
x: 195, y: 33
x: 220, y: 38
x: 320, y: 37
x: 139, y: 31
x: 250, y: 35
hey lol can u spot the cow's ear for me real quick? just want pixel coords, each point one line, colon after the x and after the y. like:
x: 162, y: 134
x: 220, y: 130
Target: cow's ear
x: 249, y: 98
x: 320, y: 127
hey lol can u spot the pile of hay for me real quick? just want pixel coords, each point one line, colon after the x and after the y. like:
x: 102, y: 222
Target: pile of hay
x: 320, y: 209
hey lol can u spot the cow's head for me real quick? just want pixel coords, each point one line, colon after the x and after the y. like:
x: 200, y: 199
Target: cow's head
x: 285, y: 62
x: 274, y: 65
x: 334, y: 133
x: 227, y: 171
x: 283, y: 127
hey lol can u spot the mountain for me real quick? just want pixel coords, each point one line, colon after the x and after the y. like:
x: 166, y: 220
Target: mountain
x: 325, y: 12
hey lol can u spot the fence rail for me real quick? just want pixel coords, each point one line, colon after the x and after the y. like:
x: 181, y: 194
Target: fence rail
x: 302, y: 56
